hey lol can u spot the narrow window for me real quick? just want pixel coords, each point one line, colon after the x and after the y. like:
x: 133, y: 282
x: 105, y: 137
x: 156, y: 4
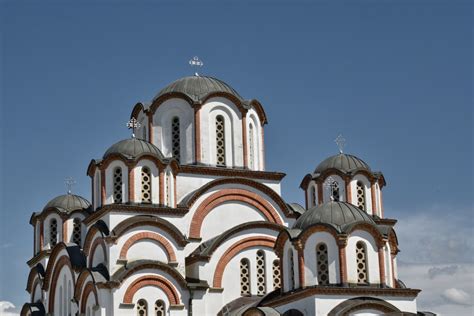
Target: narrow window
x: 244, y: 277
x: 175, y: 138
x: 146, y: 185
x: 322, y: 262
x: 292, y: 269
x: 251, y: 147
x: 261, y: 284
x: 168, y: 188
x: 335, y: 191
x: 141, y: 308
x: 53, y: 232
x: 276, y: 274
x: 220, y: 141
x: 76, y: 231
x: 144, y: 132
x: 118, y: 185
x: 361, y: 257
x: 361, y: 196
x: 313, y: 196
x: 160, y: 308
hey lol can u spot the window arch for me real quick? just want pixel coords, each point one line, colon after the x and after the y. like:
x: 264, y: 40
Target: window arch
x: 291, y: 263
x: 118, y: 183
x: 261, y: 284
x: 361, y: 260
x: 361, y: 200
x: 276, y: 274
x: 76, y: 231
x: 313, y: 195
x: 160, y: 308
x: 251, y: 147
x: 53, y: 232
x: 220, y: 141
x: 322, y: 264
x: 146, y: 185
x: 335, y: 191
x: 244, y: 277
x: 142, y: 308
x: 175, y: 138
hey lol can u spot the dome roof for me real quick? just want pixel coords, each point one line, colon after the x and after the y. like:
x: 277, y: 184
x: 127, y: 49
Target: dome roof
x: 198, y: 87
x: 133, y: 148
x: 69, y: 202
x: 340, y: 215
x: 343, y: 162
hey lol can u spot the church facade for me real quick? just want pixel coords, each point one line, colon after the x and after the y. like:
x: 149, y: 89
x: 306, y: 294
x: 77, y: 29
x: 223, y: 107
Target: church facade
x: 185, y: 220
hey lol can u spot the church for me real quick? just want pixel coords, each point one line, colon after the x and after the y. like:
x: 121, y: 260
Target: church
x: 184, y: 219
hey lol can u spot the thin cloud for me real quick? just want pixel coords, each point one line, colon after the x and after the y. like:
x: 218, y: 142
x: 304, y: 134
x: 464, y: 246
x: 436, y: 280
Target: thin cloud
x: 457, y: 296
x: 6, y: 309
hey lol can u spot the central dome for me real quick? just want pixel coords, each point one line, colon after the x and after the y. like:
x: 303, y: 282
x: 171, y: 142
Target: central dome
x: 340, y: 215
x: 133, y: 148
x: 68, y: 203
x: 343, y: 162
x: 198, y: 88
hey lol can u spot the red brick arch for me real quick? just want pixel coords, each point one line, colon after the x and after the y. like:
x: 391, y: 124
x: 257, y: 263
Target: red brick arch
x: 99, y: 241
x: 262, y: 241
x: 89, y: 288
x: 148, y: 236
x: 152, y: 280
x: 227, y: 195
x: 63, y: 261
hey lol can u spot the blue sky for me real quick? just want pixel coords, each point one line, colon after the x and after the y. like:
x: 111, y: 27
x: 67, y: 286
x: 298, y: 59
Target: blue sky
x: 394, y: 77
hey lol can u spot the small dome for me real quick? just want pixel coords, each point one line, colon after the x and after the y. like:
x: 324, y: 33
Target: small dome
x: 340, y: 215
x: 198, y: 87
x: 69, y: 202
x: 133, y: 148
x: 344, y: 163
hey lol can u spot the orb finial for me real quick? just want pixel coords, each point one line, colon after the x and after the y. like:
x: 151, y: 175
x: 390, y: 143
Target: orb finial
x: 133, y: 124
x: 341, y: 142
x: 196, y: 62
x: 69, y: 181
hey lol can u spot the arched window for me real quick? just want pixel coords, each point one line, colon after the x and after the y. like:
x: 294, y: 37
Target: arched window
x: 361, y: 260
x: 160, y: 308
x: 175, y: 138
x: 261, y: 284
x: 244, y: 277
x: 335, y: 191
x: 220, y: 141
x: 76, y: 231
x: 53, y: 232
x: 146, y: 185
x: 251, y: 147
x: 142, y: 308
x: 361, y: 196
x: 322, y: 262
x: 313, y: 195
x: 276, y: 274
x: 291, y: 263
x: 118, y: 182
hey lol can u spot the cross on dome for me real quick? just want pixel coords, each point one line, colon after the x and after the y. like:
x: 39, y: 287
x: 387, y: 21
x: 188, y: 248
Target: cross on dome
x: 133, y: 124
x: 341, y: 142
x: 69, y: 181
x: 196, y: 62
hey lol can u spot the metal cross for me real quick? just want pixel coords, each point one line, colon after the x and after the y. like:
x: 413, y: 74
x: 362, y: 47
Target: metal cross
x: 196, y: 62
x: 341, y: 142
x: 133, y: 124
x: 69, y: 181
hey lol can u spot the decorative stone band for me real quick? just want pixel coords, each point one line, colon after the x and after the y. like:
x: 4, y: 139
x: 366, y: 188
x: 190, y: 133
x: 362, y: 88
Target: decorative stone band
x: 152, y: 280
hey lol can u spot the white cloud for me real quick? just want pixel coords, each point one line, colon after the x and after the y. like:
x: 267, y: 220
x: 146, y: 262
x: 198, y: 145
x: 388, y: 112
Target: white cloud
x: 6, y: 309
x: 457, y: 296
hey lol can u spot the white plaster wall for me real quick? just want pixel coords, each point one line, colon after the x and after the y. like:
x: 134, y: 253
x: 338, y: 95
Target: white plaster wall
x: 109, y: 181
x: 98, y: 256
x: 377, y: 195
x: 63, y: 293
x: 70, y: 228
x: 367, y: 191
x: 311, y: 274
x: 142, y: 131
x: 233, y: 131
x: 37, y: 295
x: 372, y: 256
x: 388, y: 265
x: 327, y: 188
x: 155, y: 181
x: 288, y: 248
x: 47, y: 223
x: 252, y: 119
x: 162, y: 128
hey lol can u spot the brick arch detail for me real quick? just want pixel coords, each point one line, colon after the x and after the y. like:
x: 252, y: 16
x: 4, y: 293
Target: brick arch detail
x: 85, y: 295
x: 227, y: 195
x: 233, y: 250
x: 97, y: 242
x: 63, y: 261
x: 148, y: 236
x: 152, y: 280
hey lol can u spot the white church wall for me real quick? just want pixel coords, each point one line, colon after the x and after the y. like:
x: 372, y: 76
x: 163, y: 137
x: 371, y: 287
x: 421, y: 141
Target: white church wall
x: 312, y: 194
x: 388, y: 265
x: 37, y: 293
x: 286, y: 271
x: 47, y: 229
x: 142, y: 131
x: 372, y: 264
x: 109, y: 181
x: 252, y: 119
x: 311, y: 273
x: 305, y: 305
x: 367, y: 190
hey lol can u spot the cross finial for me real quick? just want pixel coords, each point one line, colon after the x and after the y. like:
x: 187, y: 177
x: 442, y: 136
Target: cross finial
x: 133, y: 124
x: 69, y: 181
x: 341, y: 142
x: 196, y: 62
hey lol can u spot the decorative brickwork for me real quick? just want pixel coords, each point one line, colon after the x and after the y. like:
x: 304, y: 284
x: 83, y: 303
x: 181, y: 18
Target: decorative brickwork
x: 148, y: 236
x: 152, y: 280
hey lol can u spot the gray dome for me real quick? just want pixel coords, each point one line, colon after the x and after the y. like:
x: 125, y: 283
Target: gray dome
x: 69, y: 202
x: 340, y: 215
x: 133, y: 148
x: 344, y: 163
x: 198, y: 87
